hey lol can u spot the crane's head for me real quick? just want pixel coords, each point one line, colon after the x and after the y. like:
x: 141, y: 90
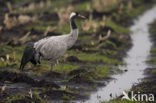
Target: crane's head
x: 76, y: 14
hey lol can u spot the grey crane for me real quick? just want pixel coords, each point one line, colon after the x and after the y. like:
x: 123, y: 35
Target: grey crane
x: 51, y: 48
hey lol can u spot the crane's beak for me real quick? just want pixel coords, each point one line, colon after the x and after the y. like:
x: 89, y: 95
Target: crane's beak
x: 81, y: 16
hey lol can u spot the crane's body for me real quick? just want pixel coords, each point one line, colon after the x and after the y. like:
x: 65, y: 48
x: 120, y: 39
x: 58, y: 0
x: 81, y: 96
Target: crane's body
x: 50, y: 48
x: 54, y: 47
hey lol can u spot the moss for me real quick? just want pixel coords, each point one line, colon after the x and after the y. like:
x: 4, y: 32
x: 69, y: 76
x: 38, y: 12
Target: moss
x: 154, y: 71
x: 98, y: 72
x: 135, y: 12
x: 101, y: 72
x: 86, y: 94
x: 116, y: 27
x: 110, y: 44
x: 87, y: 77
x: 139, y: 7
x: 95, y: 86
x: 66, y: 97
x: 152, y: 60
x: 15, y: 54
x: 82, y: 6
x: 59, y: 3
x: 93, y: 57
x: 109, y: 52
x: 153, y: 50
x: 94, y: 73
x: 21, y: 98
x: 65, y: 68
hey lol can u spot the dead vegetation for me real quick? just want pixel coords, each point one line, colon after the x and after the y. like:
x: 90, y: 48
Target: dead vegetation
x: 36, y: 6
x: 49, y: 29
x: 101, y: 5
x: 21, y: 40
x: 9, y: 7
x: 11, y: 22
x: 102, y: 39
x: 93, y: 24
x: 3, y: 89
x: 63, y: 14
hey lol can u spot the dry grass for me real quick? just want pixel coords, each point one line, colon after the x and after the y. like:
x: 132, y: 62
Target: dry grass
x: 130, y: 5
x: 63, y: 13
x: 36, y: 6
x: 100, y: 5
x: 101, y: 39
x: 5, y: 61
x: 3, y: 88
x: 30, y: 93
x: 11, y: 22
x: 22, y: 19
x: 49, y: 29
x: 22, y: 40
x: 1, y: 27
x: 105, y: 37
x: 93, y: 24
x: 9, y: 6
x: 2, y: 60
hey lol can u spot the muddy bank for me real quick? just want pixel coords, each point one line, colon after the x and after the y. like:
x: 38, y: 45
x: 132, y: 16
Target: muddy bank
x: 148, y: 84
x: 21, y: 84
x: 23, y: 78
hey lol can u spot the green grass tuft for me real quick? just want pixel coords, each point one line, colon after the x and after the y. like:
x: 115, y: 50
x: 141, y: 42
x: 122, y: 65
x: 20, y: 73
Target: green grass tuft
x: 25, y: 98
x: 117, y: 28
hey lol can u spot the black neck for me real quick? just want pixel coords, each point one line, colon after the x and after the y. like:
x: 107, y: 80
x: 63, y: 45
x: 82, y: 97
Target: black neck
x: 73, y: 25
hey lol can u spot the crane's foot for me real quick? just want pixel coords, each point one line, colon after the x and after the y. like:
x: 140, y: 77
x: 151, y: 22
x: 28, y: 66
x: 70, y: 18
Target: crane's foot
x: 21, y: 68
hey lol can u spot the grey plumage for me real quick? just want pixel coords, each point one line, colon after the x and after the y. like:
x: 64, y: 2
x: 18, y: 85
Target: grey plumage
x: 51, y: 48
x: 54, y: 47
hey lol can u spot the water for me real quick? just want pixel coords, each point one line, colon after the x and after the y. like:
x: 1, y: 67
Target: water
x: 135, y: 60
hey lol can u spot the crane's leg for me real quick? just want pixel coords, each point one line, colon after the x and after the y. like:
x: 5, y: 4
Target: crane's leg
x: 54, y: 63
x: 52, y: 66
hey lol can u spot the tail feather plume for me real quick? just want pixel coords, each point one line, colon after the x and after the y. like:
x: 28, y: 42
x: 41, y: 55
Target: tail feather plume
x: 28, y: 55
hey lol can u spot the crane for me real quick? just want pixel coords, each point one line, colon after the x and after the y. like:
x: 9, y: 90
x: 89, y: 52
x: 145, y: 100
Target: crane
x: 52, y: 47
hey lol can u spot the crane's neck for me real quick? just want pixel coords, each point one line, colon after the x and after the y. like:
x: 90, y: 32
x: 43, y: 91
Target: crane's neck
x: 72, y: 37
x: 72, y: 23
